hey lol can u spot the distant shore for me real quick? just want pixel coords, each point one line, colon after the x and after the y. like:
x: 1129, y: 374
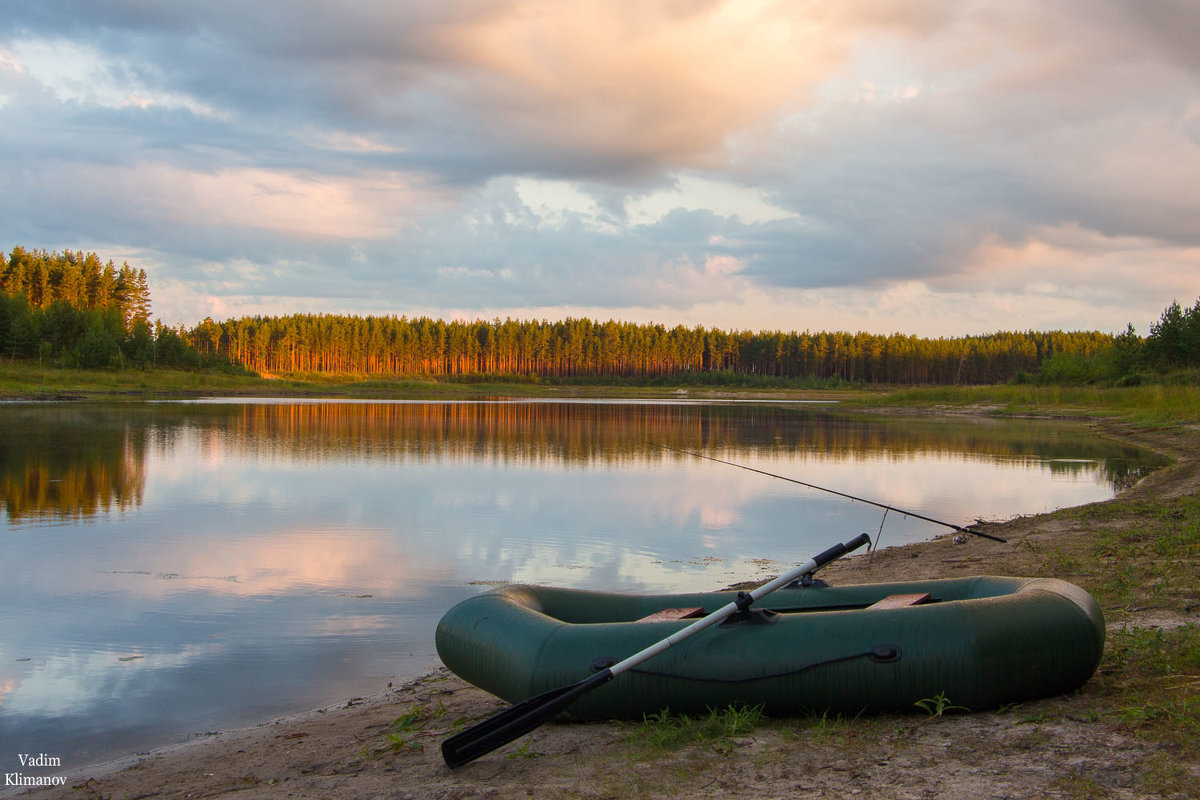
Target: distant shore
x: 1149, y: 404
x: 24, y: 381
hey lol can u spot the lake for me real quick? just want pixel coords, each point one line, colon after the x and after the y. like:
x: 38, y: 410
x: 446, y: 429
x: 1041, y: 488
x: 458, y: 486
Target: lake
x: 173, y: 568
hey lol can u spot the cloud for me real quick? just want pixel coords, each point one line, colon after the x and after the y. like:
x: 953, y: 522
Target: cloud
x: 472, y: 155
x: 592, y: 89
x: 611, y: 90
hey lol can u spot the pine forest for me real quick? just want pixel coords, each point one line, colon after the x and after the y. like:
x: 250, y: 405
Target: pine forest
x: 72, y: 309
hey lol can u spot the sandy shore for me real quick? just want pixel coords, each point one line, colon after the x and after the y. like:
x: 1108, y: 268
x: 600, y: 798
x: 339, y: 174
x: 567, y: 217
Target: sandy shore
x: 1048, y: 749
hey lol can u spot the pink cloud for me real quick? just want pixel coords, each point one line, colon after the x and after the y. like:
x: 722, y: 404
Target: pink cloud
x: 648, y: 80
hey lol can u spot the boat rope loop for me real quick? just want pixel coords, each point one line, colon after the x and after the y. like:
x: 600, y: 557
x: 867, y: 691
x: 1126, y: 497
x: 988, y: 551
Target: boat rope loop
x: 886, y: 653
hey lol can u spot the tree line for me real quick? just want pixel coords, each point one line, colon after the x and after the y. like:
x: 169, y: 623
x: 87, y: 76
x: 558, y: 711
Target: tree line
x: 585, y: 348
x: 69, y: 308
x: 1171, y: 348
x: 1174, y: 341
x: 80, y: 281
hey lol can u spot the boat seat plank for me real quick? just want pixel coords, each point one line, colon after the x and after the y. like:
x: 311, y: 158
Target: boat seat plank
x: 901, y: 600
x: 673, y: 613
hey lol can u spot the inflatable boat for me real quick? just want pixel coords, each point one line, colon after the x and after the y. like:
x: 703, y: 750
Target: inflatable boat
x: 976, y: 643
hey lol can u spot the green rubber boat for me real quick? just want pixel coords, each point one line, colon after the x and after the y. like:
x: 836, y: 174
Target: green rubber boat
x: 976, y: 643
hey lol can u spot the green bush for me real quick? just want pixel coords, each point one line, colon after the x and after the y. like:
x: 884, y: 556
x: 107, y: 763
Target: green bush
x: 97, y: 349
x: 1071, y: 369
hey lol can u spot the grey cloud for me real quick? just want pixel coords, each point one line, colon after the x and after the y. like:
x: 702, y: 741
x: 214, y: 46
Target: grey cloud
x: 403, y: 73
x: 1166, y: 29
x: 1029, y: 116
x: 906, y: 190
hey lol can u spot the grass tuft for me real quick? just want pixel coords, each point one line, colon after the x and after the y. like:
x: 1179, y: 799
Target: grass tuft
x: 720, y: 728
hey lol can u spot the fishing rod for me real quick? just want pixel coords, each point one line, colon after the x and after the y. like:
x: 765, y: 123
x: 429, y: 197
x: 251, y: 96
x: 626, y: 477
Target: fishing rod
x: 884, y: 506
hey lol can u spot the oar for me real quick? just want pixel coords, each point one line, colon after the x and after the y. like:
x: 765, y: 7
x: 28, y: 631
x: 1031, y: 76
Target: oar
x: 523, y: 717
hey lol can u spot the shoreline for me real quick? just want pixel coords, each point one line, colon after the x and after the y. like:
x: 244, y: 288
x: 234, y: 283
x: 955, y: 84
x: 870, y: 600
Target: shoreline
x: 344, y: 750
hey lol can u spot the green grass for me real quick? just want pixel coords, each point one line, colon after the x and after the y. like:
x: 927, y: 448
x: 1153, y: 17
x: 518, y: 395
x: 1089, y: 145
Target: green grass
x: 938, y: 705
x: 1144, y: 405
x: 1157, y: 653
x: 1149, y: 684
x: 33, y: 381
x: 1142, y: 555
x: 408, y: 732
x: 21, y: 380
x: 718, y: 728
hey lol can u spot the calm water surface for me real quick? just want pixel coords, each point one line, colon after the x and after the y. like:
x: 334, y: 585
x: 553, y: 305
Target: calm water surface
x: 168, y: 569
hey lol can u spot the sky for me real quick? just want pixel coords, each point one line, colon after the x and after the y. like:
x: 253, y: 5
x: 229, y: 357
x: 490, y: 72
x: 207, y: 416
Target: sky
x: 933, y: 167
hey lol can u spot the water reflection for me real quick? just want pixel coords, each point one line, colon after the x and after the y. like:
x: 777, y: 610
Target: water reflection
x: 172, y: 568
x: 69, y: 462
x: 72, y: 462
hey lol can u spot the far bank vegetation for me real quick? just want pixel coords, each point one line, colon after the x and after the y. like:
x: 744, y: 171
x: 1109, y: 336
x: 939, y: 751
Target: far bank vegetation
x: 72, y: 309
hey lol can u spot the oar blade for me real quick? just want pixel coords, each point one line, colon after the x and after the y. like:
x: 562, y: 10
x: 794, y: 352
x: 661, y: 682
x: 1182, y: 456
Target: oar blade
x: 512, y: 723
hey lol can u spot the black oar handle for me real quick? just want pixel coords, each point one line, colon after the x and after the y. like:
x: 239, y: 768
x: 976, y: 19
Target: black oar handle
x: 840, y: 549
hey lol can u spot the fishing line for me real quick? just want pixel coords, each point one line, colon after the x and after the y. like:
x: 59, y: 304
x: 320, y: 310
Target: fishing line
x: 878, y: 536
x: 884, y: 506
